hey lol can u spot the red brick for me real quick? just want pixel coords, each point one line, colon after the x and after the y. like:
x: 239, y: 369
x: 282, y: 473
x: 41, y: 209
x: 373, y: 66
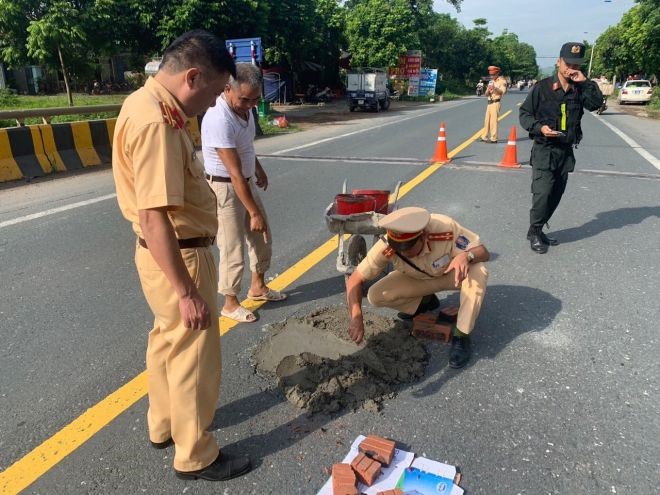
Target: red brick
x: 366, y: 469
x: 426, y: 326
x: 343, y: 480
x: 395, y: 491
x: 378, y: 448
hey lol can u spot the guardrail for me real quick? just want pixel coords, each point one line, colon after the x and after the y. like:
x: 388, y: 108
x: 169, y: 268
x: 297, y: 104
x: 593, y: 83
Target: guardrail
x: 29, y: 151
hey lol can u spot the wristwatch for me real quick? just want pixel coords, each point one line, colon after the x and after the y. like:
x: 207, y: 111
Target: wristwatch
x: 470, y: 256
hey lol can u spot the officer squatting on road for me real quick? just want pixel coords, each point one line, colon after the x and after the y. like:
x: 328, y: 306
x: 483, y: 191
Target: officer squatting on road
x: 162, y: 191
x: 430, y: 253
x: 551, y: 114
x: 494, y: 91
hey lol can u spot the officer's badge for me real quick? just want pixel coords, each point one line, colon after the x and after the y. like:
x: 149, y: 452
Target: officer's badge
x: 171, y: 116
x: 575, y: 49
x: 462, y: 242
x: 388, y: 252
x: 440, y: 262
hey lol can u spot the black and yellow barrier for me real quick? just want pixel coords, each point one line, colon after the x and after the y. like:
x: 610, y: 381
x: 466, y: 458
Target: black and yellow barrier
x: 36, y: 150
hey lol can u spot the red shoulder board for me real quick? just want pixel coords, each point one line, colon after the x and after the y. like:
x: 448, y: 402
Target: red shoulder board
x: 388, y: 252
x: 440, y: 236
x: 555, y: 86
x: 171, y: 116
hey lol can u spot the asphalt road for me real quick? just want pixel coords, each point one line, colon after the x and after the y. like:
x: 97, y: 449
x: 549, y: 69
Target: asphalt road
x: 561, y: 396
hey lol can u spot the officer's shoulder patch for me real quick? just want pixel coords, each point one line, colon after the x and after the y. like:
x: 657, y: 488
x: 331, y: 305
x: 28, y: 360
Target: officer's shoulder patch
x: 462, y: 242
x: 171, y: 116
x: 440, y: 236
x: 388, y: 252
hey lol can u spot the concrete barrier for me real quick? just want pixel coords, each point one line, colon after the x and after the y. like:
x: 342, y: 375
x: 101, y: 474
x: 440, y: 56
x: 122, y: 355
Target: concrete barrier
x: 37, y: 150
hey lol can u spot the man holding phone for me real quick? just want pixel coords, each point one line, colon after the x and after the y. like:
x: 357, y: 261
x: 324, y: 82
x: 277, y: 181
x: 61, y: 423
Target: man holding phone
x: 551, y: 114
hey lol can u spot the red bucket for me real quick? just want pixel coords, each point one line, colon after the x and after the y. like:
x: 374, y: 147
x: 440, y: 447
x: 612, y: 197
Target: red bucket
x: 381, y: 197
x: 348, y: 204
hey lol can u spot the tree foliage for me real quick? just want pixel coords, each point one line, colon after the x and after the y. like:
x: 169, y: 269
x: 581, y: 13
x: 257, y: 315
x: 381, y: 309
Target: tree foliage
x: 633, y: 45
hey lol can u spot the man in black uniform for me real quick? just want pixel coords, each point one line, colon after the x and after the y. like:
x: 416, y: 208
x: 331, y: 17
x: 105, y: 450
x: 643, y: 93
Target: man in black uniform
x: 551, y: 114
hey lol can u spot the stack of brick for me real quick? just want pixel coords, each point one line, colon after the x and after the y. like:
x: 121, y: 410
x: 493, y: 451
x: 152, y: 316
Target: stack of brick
x: 396, y: 491
x: 375, y: 452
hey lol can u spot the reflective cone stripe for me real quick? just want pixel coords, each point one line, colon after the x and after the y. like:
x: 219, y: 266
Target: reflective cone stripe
x: 440, y: 155
x: 510, y: 158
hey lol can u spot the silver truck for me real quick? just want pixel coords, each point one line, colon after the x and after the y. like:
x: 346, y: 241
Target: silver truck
x: 367, y: 89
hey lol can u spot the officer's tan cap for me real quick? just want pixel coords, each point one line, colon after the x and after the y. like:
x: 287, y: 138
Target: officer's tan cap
x: 406, y: 223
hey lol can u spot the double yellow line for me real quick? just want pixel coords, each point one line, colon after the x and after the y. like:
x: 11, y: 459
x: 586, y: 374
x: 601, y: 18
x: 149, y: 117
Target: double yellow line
x: 28, y: 469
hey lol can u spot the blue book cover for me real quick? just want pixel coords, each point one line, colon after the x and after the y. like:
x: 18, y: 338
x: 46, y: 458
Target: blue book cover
x: 414, y: 481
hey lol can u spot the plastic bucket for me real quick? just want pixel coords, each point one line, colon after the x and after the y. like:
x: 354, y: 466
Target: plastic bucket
x: 380, y: 196
x: 347, y: 204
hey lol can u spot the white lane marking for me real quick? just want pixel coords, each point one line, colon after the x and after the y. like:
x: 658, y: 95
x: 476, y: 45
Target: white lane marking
x: 633, y: 144
x: 359, y: 131
x: 52, y: 211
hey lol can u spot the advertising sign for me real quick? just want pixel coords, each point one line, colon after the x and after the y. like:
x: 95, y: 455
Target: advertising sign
x: 427, y: 81
x: 413, y: 86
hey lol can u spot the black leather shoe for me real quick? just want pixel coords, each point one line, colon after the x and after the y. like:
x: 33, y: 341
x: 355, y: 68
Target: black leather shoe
x: 550, y: 241
x: 162, y: 445
x: 222, y: 469
x: 460, y: 351
x: 537, y: 244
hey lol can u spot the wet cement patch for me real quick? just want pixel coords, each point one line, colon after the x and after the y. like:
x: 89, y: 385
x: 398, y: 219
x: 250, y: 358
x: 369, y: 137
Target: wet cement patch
x: 319, y: 369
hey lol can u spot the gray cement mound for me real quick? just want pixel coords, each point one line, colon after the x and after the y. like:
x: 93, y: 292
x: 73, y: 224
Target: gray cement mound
x: 320, y: 369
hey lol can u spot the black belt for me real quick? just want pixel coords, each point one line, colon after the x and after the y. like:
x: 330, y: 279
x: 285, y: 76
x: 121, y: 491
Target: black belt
x: 220, y: 178
x: 193, y: 242
x: 493, y: 101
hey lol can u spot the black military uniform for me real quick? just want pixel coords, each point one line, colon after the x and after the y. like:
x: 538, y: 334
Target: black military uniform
x: 552, y: 158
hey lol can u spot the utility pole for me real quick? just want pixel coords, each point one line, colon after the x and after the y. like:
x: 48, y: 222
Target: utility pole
x: 591, y: 59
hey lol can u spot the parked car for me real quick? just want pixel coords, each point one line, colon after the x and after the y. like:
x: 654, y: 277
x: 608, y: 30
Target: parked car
x: 635, y: 91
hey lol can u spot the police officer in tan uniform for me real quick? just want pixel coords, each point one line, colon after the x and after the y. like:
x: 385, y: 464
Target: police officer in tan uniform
x: 494, y: 91
x: 162, y: 191
x: 430, y: 253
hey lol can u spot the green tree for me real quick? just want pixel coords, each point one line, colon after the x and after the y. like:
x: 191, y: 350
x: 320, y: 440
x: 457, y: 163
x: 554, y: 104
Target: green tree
x: 516, y: 59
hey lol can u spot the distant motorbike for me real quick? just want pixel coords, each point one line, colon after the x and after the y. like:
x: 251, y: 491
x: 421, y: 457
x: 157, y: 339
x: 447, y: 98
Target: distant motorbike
x: 603, y: 106
x: 480, y: 90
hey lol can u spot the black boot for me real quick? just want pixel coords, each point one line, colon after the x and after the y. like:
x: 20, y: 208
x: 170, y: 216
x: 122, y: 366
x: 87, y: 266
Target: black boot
x: 428, y: 303
x: 550, y: 241
x: 535, y: 240
x: 460, y: 352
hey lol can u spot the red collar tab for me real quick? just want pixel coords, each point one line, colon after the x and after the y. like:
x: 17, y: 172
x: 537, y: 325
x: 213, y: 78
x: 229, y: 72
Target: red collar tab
x: 401, y: 236
x: 440, y: 236
x: 171, y: 116
x: 555, y: 86
x: 388, y: 252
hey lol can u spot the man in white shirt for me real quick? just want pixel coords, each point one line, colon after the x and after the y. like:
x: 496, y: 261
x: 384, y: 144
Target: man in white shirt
x: 234, y: 173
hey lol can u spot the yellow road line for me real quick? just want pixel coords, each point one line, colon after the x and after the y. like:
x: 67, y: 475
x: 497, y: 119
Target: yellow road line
x: 42, y: 458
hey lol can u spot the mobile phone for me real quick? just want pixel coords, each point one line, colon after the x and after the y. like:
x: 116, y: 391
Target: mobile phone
x: 559, y: 134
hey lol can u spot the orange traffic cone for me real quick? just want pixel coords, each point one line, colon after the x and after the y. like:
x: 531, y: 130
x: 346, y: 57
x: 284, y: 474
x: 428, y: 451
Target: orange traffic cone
x: 440, y: 155
x: 510, y: 158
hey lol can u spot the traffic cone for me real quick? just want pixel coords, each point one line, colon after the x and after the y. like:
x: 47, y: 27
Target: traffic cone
x: 510, y: 158
x: 440, y: 155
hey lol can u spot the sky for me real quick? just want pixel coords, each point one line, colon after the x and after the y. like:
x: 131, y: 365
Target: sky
x: 544, y: 25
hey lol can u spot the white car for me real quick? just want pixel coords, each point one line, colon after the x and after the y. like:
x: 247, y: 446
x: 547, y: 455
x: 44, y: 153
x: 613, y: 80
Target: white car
x: 635, y: 91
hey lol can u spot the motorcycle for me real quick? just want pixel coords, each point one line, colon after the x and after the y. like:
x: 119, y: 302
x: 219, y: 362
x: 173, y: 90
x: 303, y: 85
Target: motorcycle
x: 603, y: 106
x: 480, y: 90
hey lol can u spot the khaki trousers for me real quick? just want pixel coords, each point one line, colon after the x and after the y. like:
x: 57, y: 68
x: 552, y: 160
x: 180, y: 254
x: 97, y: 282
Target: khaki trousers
x: 233, y: 234
x: 183, y: 365
x: 490, y: 121
x: 403, y: 293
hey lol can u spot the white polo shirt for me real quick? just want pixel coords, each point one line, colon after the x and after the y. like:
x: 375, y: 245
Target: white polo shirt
x: 222, y: 128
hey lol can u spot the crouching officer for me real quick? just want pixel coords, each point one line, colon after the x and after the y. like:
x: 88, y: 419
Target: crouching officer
x: 430, y: 253
x: 551, y: 114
